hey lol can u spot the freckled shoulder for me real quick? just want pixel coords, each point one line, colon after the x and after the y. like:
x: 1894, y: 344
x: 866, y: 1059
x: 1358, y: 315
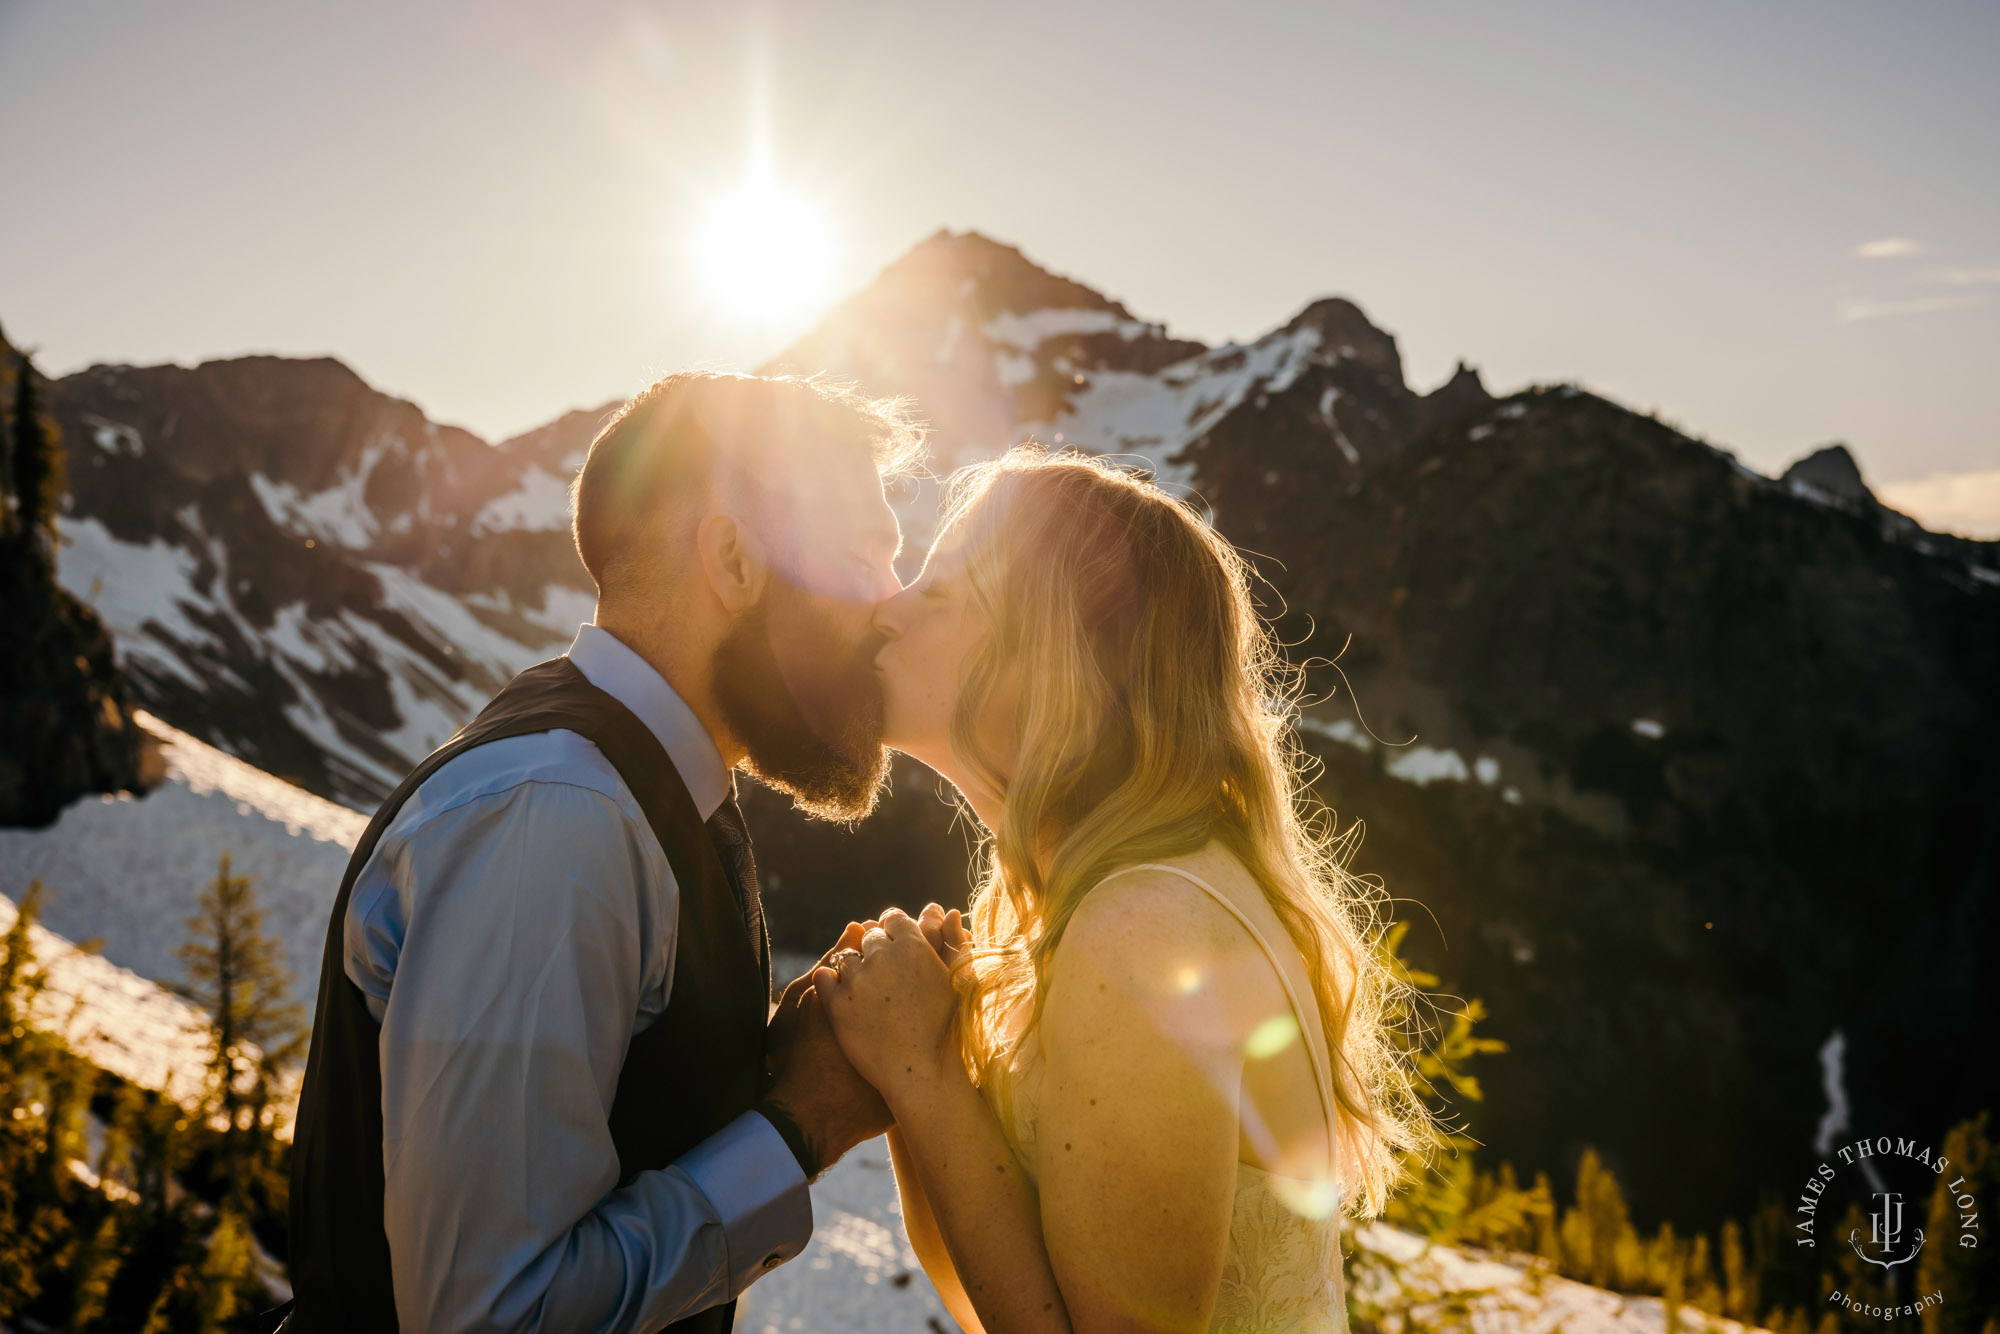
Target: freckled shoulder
x: 1143, y: 927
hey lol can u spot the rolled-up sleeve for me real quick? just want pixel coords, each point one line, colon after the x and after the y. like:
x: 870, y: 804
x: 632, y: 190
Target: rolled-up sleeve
x: 512, y: 1004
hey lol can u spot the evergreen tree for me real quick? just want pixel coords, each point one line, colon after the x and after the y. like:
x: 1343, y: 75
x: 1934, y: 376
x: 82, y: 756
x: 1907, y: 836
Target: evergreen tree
x: 7, y: 498
x: 40, y: 1124
x: 36, y: 455
x: 1597, y: 1235
x: 96, y: 1267
x: 228, y: 1273
x: 1968, y: 1277
x: 235, y: 972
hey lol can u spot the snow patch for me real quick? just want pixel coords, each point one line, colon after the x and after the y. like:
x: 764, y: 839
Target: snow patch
x: 1157, y: 416
x: 1342, y: 730
x: 954, y: 329
x: 115, y: 438
x: 339, y: 514
x: 1424, y: 765
x: 1012, y: 368
x: 142, y: 594
x: 858, y: 1271
x: 1434, y: 1286
x: 539, y: 502
x: 1028, y: 331
x: 130, y: 870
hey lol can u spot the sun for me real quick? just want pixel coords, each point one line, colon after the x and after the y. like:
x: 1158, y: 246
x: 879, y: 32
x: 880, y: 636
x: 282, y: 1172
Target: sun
x: 765, y: 252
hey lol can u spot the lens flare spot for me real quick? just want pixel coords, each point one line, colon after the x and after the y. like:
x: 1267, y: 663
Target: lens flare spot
x: 1271, y: 1037
x: 1310, y: 1197
x: 1189, y: 980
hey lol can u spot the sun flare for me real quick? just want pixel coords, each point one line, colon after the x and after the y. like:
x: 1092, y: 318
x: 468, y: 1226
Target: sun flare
x: 765, y: 252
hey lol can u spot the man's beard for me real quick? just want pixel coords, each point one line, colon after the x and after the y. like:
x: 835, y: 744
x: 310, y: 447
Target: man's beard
x: 834, y: 767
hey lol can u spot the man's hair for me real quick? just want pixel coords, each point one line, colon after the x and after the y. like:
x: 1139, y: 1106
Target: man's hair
x: 660, y: 448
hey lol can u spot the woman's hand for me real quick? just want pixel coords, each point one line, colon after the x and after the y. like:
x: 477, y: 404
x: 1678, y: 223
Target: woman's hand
x: 892, y: 1003
x: 945, y: 931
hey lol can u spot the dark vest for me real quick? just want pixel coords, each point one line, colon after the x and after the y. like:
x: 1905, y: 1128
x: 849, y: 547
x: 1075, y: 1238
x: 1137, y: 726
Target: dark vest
x: 696, y: 1068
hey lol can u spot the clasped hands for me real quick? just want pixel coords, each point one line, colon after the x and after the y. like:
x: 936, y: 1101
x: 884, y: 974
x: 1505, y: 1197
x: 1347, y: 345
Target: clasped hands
x: 868, y: 1027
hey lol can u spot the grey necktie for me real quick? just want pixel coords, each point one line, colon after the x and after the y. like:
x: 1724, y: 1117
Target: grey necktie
x: 732, y: 844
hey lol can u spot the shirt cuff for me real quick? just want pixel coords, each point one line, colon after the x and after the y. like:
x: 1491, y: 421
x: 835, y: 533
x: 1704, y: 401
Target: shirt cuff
x: 759, y: 1193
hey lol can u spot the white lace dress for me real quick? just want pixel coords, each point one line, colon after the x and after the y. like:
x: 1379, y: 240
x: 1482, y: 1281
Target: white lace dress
x: 1281, y: 1272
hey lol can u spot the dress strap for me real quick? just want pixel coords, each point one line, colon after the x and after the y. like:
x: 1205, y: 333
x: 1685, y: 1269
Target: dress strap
x: 1312, y: 1032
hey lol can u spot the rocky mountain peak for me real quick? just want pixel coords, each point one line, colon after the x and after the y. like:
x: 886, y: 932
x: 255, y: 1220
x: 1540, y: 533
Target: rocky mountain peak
x: 1833, y: 470
x: 987, y: 341
x: 969, y: 271
x: 1344, y: 329
x: 1460, y: 396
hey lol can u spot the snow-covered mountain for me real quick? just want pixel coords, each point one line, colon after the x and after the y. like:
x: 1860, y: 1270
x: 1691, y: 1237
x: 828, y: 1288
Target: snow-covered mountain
x: 306, y: 571
x: 319, y: 579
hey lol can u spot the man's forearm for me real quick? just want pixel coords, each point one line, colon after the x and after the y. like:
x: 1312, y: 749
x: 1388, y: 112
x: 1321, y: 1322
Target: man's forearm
x: 671, y: 1243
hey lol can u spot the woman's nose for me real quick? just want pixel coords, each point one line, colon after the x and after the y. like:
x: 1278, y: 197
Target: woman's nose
x: 891, y: 614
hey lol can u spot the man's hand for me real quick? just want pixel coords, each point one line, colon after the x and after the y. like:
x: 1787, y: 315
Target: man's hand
x: 812, y: 1086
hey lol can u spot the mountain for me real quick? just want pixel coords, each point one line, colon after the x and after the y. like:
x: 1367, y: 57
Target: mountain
x: 1700, y: 773
x: 66, y: 724
x: 306, y: 571
x: 1694, y: 770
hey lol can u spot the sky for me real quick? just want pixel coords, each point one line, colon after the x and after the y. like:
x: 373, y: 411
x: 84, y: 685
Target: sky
x: 1776, y: 224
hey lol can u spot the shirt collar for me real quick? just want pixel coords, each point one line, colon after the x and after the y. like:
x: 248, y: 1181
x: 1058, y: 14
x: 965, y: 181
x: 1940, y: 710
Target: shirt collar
x: 607, y: 663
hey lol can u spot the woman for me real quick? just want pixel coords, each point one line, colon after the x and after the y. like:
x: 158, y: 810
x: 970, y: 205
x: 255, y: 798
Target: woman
x: 1140, y: 1090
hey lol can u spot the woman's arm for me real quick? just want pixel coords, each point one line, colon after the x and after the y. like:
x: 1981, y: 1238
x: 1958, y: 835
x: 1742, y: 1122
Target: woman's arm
x: 1137, y: 1132
x: 926, y: 1240
x: 892, y: 1010
x: 1137, y: 1136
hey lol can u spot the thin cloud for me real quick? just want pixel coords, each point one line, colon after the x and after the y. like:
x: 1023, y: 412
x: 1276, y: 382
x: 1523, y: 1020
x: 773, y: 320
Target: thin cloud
x: 1850, y: 311
x: 1889, y: 247
x: 1966, y: 503
x: 1961, y: 277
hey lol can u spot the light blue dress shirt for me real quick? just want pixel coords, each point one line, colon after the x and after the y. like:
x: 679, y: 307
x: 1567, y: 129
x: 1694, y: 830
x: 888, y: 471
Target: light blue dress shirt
x: 512, y: 932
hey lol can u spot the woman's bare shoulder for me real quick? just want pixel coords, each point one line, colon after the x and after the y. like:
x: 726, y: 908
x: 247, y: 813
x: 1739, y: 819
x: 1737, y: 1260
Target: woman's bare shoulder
x: 1143, y: 920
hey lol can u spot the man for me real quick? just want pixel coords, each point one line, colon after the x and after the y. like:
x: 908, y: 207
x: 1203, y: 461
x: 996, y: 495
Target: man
x: 537, y: 1096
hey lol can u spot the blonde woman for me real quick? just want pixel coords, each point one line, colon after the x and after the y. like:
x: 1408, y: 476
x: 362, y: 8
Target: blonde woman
x: 1137, y: 1089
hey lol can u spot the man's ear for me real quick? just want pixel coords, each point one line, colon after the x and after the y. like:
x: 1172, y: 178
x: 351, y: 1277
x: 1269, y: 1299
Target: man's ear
x: 732, y: 560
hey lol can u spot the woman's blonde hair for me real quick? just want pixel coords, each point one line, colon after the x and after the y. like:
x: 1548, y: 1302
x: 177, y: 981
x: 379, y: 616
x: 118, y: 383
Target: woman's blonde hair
x: 1155, y: 715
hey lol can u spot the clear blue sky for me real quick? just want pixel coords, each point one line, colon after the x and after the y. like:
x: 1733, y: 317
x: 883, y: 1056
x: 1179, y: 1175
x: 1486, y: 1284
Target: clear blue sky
x: 486, y: 206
